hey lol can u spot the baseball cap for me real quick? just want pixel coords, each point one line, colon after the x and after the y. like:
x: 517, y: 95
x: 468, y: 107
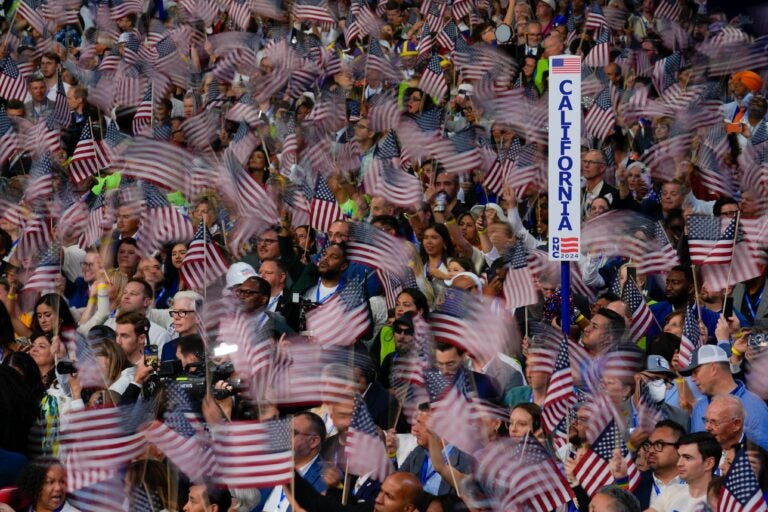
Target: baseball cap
x: 550, y: 3
x: 406, y: 320
x: 477, y: 210
x: 705, y: 355
x: 238, y: 273
x: 657, y: 364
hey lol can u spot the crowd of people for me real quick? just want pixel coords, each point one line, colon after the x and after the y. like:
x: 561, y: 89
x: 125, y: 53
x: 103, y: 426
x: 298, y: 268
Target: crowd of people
x: 273, y: 256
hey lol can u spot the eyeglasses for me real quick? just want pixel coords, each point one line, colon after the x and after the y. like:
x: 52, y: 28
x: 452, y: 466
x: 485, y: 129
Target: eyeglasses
x: 266, y: 240
x: 596, y: 162
x: 715, y: 423
x: 729, y: 214
x: 246, y: 293
x: 408, y: 332
x: 658, y: 446
x: 181, y: 313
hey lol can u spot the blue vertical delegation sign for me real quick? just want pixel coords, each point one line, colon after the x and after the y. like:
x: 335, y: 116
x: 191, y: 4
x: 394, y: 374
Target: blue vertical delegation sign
x: 564, y: 158
x: 565, y: 172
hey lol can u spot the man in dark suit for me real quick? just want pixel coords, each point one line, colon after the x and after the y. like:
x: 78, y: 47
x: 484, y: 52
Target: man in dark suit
x: 533, y: 39
x: 418, y: 461
x: 593, y: 166
x: 662, y: 459
x: 308, y: 437
x: 451, y: 362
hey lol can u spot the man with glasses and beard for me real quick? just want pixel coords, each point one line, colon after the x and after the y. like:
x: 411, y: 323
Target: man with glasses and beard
x: 662, y: 458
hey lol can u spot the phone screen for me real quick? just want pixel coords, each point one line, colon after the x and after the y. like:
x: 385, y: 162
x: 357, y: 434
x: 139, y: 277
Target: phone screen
x: 150, y: 355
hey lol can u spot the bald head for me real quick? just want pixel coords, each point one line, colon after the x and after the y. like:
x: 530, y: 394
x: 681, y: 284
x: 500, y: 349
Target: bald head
x: 400, y: 492
x: 729, y: 404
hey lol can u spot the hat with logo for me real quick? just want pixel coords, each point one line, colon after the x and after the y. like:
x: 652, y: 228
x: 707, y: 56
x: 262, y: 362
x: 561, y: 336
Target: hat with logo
x: 657, y: 364
x: 238, y: 273
x: 705, y: 355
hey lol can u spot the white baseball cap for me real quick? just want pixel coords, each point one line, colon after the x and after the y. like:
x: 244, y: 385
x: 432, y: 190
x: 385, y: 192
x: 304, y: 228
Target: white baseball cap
x: 238, y: 273
x: 704, y: 355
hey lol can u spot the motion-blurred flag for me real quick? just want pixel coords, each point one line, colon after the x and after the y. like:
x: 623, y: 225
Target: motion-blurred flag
x: 343, y: 319
x: 204, y: 261
x: 560, y: 395
x: 365, y: 451
x: 642, y: 318
x: 324, y: 209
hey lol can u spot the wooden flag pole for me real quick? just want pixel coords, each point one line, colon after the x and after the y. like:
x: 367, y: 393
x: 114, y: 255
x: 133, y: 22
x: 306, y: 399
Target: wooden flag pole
x: 450, y: 468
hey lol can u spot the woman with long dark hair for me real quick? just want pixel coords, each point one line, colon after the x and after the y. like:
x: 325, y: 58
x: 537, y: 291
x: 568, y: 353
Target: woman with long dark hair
x: 51, y: 316
x: 43, y: 482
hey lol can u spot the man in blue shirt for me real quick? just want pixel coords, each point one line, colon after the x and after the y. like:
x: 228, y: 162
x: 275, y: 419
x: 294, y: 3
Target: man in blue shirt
x: 711, y: 372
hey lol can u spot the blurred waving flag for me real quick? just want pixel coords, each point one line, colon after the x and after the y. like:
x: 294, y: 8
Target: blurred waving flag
x: 518, y: 284
x: 456, y: 419
x: 593, y: 470
x: 343, y: 319
x: 204, y: 261
x: 365, y: 451
x: 560, y: 395
x: 642, y: 318
x: 43, y: 279
x: 253, y: 454
x: 89, y: 156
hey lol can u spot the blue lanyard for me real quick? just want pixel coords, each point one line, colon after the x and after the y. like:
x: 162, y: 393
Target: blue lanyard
x: 425, y: 475
x: 277, y: 297
x: 317, y: 293
x: 753, y: 308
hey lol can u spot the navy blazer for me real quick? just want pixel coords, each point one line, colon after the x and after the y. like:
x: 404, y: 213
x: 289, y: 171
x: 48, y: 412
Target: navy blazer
x: 313, y: 476
x: 644, y: 489
x: 459, y: 460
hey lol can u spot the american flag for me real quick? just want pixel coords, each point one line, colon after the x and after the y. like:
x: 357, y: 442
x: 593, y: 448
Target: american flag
x: 42, y: 137
x: 376, y: 61
x: 665, y: 71
x: 459, y: 154
x: 660, y: 256
x: 447, y: 37
x: 433, y: 80
x: 599, y: 55
x: 560, y: 395
x: 161, y: 223
x: 373, y: 247
x: 255, y: 351
x: 434, y: 12
x: 393, y: 285
x: 314, y: 10
x: 60, y: 107
x: 343, y: 319
x: 669, y: 9
x: 593, y: 470
x: 35, y: 236
x: 689, y: 341
x: 497, y: 174
x: 204, y: 261
x: 295, y: 199
x: 213, y: 98
x: 9, y: 141
x: 599, y: 120
x: 143, y: 116
x: 48, y: 268
x: 425, y: 43
x: 13, y: 79
x: 398, y: 187
x: 711, y: 240
x: 741, y: 491
x: 30, y: 14
x: 203, y: 10
x: 642, y: 318
x: 157, y: 162
x: 648, y: 411
x: 100, y: 217
x: 190, y: 454
x: 456, y: 418
x: 106, y: 495
x: 541, y: 487
x: 365, y: 451
x: 122, y: 8
x: 40, y: 188
x: 565, y: 65
x: 384, y: 113
x: 303, y: 374
x: 240, y: 12
x: 244, y: 110
x: 253, y: 454
x: 95, y: 443
x: 518, y: 285
x: 323, y: 209
x: 72, y: 222
x: 89, y: 156
x: 466, y: 323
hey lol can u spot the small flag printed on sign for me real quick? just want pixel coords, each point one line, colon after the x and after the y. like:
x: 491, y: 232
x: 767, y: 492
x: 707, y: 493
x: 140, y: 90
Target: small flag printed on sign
x: 569, y: 245
x: 563, y: 65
